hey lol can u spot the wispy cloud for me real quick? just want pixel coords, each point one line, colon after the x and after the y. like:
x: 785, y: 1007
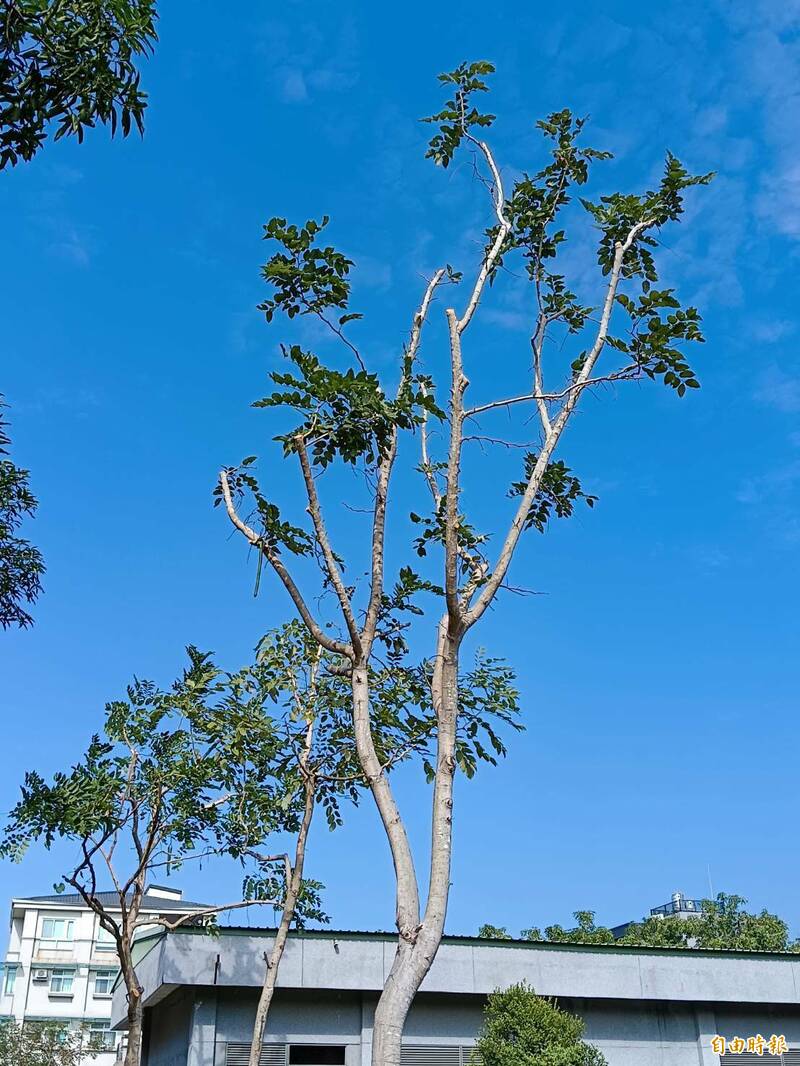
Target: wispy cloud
x: 772, y: 486
x: 779, y: 390
x: 307, y: 62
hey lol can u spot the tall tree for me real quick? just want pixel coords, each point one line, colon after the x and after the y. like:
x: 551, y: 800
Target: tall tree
x: 21, y: 564
x: 346, y: 417
x: 521, y: 1028
x: 176, y: 775
x: 70, y: 64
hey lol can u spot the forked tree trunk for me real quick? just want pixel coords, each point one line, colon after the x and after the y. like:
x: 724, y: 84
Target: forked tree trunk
x: 273, y: 961
x: 419, y: 940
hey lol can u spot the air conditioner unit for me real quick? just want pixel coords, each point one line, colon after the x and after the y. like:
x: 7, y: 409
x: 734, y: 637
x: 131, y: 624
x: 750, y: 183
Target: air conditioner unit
x: 40, y: 975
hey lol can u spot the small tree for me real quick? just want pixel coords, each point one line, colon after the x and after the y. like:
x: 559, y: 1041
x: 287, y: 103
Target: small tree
x: 44, y: 1044
x: 346, y: 417
x: 72, y: 64
x: 523, y: 1029
x: 21, y: 564
x: 176, y: 775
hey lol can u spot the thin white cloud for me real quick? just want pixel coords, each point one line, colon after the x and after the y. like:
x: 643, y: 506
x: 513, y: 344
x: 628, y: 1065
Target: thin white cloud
x: 779, y: 390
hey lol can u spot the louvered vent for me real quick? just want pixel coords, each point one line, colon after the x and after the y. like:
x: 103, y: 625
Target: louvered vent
x: 271, y: 1055
x: 436, y: 1055
x: 790, y: 1057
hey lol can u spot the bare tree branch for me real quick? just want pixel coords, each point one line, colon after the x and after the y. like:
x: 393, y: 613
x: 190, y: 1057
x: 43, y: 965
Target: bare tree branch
x: 323, y: 540
x: 498, y: 574
x: 205, y: 912
x: 336, y: 646
x: 487, y: 266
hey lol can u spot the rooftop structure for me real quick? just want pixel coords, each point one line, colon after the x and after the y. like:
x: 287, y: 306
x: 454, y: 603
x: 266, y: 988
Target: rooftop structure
x: 642, y: 1006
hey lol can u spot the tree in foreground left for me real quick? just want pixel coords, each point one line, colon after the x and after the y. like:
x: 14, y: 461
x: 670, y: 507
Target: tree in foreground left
x: 176, y: 775
x: 43, y: 1044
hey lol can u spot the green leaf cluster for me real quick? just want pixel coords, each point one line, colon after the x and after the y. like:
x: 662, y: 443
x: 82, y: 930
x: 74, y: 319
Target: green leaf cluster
x: 558, y: 492
x: 38, y: 1043
x: 21, y: 564
x: 653, y: 336
x: 617, y: 214
x: 307, y: 279
x: 521, y: 1028
x: 344, y: 414
x: 71, y: 63
x: 459, y: 115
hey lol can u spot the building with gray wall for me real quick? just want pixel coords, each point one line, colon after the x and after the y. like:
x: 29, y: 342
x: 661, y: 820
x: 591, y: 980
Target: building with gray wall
x: 642, y: 1007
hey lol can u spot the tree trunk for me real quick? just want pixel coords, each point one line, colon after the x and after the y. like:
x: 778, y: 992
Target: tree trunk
x: 133, y: 1052
x: 292, y: 892
x: 415, y: 953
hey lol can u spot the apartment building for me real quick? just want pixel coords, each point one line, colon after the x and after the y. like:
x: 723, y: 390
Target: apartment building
x: 61, y: 965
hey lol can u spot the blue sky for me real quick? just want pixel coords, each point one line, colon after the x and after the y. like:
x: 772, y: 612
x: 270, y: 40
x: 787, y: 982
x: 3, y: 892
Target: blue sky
x: 659, y: 666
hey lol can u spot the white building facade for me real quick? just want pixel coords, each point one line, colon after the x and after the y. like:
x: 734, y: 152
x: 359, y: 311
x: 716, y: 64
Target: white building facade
x: 61, y: 965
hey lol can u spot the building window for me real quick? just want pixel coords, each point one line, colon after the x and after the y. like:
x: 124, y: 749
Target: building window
x: 9, y: 981
x: 105, y: 941
x: 104, y: 982
x: 58, y: 928
x: 100, y: 1033
x: 57, y: 933
x: 61, y: 982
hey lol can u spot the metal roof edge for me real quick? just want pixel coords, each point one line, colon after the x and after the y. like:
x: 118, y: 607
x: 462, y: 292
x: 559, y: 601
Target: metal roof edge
x: 477, y: 941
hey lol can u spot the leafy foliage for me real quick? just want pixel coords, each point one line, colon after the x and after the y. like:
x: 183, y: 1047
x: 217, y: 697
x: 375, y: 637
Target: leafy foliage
x: 521, y: 1028
x: 70, y: 63
x: 723, y: 923
x: 616, y: 215
x: 458, y: 116
x: 344, y: 414
x: 558, y: 491
x: 307, y: 279
x: 173, y: 771
x: 21, y: 564
x: 494, y: 932
x: 585, y: 932
x: 44, y: 1044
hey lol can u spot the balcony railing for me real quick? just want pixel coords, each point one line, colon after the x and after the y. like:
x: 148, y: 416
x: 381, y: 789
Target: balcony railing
x: 679, y: 906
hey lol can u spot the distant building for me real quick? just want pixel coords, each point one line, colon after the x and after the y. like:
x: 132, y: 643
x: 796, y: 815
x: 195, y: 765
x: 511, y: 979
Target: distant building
x: 641, y: 1006
x: 678, y: 907
x: 61, y: 965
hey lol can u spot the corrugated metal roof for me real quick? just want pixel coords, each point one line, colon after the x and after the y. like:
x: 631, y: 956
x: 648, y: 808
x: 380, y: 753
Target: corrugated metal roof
x: 150, y: 902
x: 369, y: 934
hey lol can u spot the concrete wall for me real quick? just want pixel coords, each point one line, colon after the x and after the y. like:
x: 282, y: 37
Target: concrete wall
x: 193, y: 1029
x: 361, y: 964
x: 641, y: 1008
x: 168, y: 1030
